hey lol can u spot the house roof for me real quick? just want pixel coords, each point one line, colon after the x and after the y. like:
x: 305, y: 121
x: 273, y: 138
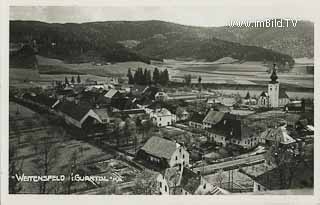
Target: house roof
x: 41, y: 98
x: 111, y: 93
x: 76, y: 111
x: 213, y: 117
x: 160, y: 147
x: 280, y: 135
x: 282, y: 93
x: 221, y: 107
x: 264, y: 94
x: 232, y: 127
x: 196, y: 117
x: 190, y: 181
x: 173, y: 176
x: 162, y: 112
x: 102, y: 113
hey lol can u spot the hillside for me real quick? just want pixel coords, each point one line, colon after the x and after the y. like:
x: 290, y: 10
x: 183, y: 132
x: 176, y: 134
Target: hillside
x: 119, y: 41
x: 295, y: 41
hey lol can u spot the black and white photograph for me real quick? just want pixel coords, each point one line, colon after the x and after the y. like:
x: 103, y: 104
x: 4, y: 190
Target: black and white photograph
x: 156, y: 100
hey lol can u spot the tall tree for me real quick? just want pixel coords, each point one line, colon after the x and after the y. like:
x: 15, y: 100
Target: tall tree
x: 156, y: 76
x: 149, y: 78
x: 66, y: 81
x: 72, y: 80
x: 130, y: 77
x: 129, y: 128
x: 78, y: 79
x: 187, y: 79
x: 199, y: 79
x: 144, y: 79
x: 15, y: 168
x: 47, y: 156
x: 146, y: 184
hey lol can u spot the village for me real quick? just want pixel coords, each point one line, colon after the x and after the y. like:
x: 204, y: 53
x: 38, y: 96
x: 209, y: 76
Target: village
x: 149, y: 136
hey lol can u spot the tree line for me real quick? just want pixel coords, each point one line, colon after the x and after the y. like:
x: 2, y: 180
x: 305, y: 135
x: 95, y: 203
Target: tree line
x: 144, y: 77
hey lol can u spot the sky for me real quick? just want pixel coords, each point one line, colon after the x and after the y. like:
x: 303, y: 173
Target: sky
x: 197, y: 15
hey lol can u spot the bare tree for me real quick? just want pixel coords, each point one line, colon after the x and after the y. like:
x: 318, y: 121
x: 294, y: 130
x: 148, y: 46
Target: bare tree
x: 146, y: 184
x: 15, y: 167
x: 47, y: 156
x: 219, y: 178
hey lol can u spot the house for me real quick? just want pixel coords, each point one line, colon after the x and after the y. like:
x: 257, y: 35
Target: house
x: 294, y: 106
x: 278, y: 136
x: 161, y: 96
x: 180, y: 180
x: 162, y: 153
x: 112, y: 94
x: 227, y: 129
x: 103, y: 116
x: 196, y: 120
x: 248, y: 100
x: 266, y: 177
x: 162, y: 117
x: 212, y: 118
x: 275, y: 96
x: 41, y: 100
x: 77, y: 114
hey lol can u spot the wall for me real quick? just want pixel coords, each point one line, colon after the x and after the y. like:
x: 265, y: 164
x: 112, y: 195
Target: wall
x: 177, y: 157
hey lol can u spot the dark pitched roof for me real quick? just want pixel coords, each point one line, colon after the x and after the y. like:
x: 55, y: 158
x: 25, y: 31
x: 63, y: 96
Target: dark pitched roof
x: 282, y: 93
x: 41, y: 98
x: 76, y: 111
x: 213, y: 117
x: 197, y: 117
x: 160, y: 147
x: 222, y: 108
x: 264, y: 94
x: 231, y: 127
x: 190, y: 181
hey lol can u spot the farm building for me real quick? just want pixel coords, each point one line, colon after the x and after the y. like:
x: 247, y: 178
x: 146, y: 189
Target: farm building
x: 77, y: 114
x: 180, y: 180
x: 225, y: 128
x: 162, y: 153
x: 162, y: 117
x: 196, y: 120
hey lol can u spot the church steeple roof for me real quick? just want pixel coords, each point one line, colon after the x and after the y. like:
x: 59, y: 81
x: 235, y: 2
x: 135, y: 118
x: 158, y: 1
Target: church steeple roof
x: 274, y: 76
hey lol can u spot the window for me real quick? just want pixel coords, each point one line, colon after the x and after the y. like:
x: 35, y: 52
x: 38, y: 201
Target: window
x: 204, y: 186
x: 176, y: 157
x: 270, y: 88
x: 259, y: 188
x: 183, y: 156
x: 180, y: 150
x: 160, y: 184
x: 165, y: 188
x: 160, y: 118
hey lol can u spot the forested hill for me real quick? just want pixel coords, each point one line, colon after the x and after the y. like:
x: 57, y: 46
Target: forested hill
x: 117, y: 41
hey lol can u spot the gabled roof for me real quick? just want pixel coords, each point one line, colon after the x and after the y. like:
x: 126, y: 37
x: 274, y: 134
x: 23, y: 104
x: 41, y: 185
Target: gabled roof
x: 41, y: 99
x: 102, y: 113
x: 76, y: 111
x: 213, y: 117
x: 111, y: 93
x: 160, y: 147
x: 280, y: 135
x: 231, y: 127
x: 264, y: 94
x: 282, y: 93
x: 190, y: 181
x: 196, y: 117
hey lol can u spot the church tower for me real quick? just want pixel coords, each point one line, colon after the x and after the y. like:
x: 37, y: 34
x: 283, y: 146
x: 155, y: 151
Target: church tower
x: 273, y: 89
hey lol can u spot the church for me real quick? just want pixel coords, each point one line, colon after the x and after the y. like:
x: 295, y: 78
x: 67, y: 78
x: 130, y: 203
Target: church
x: 275, y: 96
